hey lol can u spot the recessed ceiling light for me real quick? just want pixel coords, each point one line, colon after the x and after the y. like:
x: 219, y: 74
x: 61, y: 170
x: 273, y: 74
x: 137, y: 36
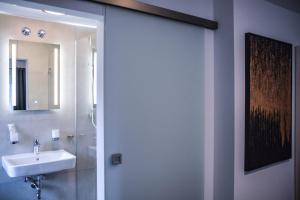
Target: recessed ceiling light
x: 53, y: 12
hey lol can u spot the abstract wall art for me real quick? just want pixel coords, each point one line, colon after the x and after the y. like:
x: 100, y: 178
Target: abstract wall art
x: 268, y: 100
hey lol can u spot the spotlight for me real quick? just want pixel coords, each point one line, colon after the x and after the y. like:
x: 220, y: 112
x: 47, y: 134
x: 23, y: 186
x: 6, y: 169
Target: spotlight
x: 41, y: 33
x: 26, y: 31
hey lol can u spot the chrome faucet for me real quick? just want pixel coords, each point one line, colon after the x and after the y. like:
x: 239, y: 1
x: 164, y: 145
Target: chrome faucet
x: 36, y: 147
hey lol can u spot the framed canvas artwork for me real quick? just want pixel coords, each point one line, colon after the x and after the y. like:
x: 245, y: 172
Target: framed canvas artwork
x: 268, y: 120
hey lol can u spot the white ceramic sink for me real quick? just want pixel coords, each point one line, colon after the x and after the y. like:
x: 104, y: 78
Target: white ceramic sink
x: 28, y: 164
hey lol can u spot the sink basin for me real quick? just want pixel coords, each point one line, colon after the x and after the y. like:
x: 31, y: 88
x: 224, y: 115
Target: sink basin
x: 28, y: 164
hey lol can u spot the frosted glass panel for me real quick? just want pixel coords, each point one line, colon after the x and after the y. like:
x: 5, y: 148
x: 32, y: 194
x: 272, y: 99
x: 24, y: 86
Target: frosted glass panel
x: 85, y: 117
x: 154, y: 97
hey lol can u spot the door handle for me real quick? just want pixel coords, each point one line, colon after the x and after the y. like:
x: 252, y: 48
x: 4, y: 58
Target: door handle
x: 116, y: 159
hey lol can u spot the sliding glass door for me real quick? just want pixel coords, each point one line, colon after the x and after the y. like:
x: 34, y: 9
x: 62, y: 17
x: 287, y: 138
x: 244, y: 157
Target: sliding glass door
x: 154, y: 107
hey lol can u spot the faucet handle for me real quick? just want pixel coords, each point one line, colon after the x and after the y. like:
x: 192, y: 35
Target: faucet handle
x: 36, y: 142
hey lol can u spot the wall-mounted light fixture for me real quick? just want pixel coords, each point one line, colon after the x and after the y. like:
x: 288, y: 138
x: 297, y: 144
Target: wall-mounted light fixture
x: 56, y: 76
x: 26, y: 31
x: 14, y: 73
x: 53, y: 12
x: 41, y: 33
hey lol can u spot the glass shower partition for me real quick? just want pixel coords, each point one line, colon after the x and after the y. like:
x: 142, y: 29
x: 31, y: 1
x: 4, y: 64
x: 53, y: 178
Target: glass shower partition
x: 86, y: 117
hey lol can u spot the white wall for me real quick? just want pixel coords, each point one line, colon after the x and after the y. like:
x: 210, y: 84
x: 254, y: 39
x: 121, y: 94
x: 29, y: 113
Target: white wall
x: 224, y: 102
x: 274, y: 182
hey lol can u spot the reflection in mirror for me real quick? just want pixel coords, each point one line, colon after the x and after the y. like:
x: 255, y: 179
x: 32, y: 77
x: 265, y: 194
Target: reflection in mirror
x: 34, y: 75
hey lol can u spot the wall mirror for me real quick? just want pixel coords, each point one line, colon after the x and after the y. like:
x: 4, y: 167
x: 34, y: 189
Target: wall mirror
x: 34, y: 73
